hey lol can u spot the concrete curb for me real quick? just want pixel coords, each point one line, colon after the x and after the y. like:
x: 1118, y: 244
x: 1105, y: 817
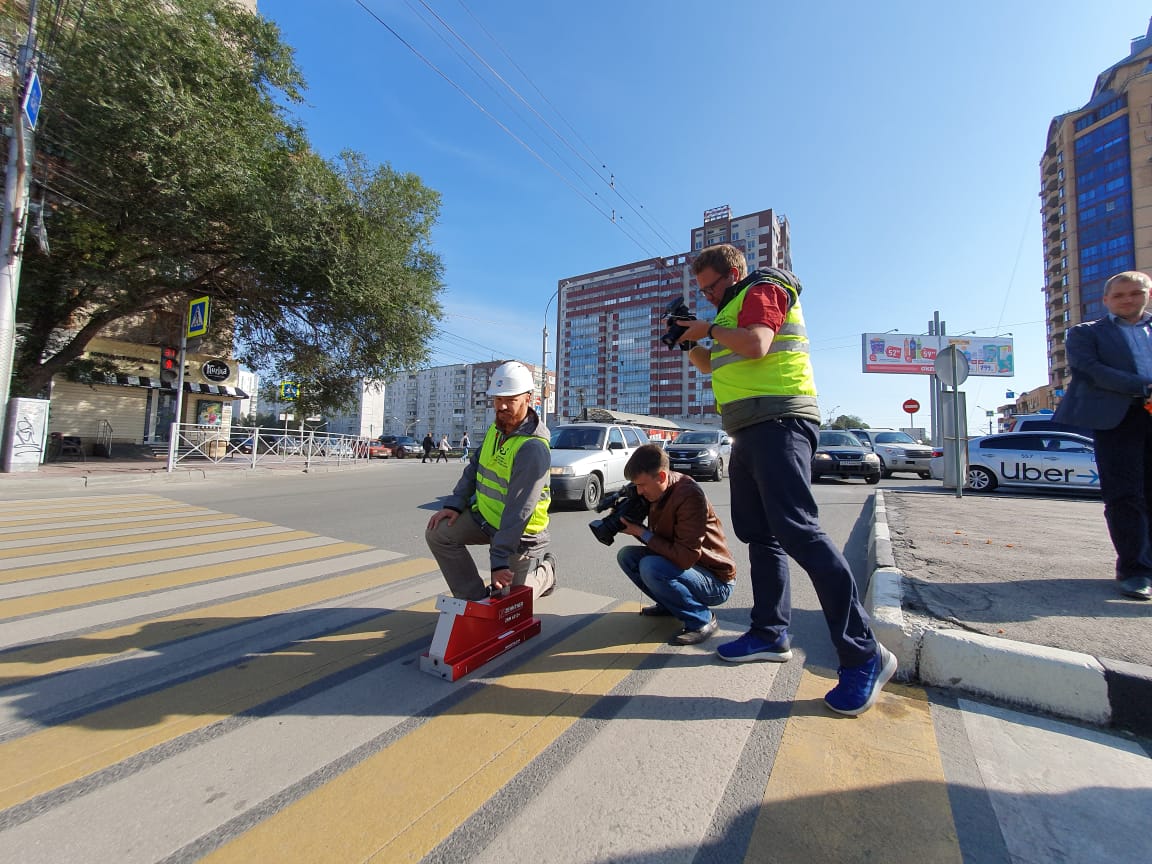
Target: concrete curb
x: 1066, y: 683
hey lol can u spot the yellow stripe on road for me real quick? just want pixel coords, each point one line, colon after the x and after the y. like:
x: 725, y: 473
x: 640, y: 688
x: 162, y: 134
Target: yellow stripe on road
x: 54, y: 601
x: 47, y: 658
x: 46, y: 760
x: 106, y: 562
x: 402, y: 802
x: 88, y: 502
x: 111, y: 523
x: 856, y: 789
x: 139, y: 537
x: 76, y: 518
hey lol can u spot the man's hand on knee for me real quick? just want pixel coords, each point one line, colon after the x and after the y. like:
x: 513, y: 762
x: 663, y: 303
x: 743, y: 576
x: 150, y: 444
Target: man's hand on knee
x: 440, y: 515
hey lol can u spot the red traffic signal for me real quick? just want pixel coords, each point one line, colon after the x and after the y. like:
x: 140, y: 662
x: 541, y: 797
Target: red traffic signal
x: 169, y: 371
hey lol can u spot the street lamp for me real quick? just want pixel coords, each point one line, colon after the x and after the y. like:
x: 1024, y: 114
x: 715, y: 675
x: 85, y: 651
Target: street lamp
x: 544, y: 353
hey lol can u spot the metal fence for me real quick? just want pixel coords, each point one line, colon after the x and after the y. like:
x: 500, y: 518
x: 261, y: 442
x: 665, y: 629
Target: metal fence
x: 252, y: 446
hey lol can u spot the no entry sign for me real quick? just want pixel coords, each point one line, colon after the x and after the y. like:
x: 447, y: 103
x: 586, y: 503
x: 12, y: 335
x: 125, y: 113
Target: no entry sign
x: 911, y: 406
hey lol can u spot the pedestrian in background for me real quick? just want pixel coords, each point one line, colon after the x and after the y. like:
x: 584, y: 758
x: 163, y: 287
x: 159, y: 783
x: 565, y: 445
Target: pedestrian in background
x: 766, y: 393
x: 442, y: 449
x: 427, y: 444
x: 1111, y: 363
x: 465, y: 446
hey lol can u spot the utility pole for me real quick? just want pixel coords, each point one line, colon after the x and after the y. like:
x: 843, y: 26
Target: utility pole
x: 15, y: 212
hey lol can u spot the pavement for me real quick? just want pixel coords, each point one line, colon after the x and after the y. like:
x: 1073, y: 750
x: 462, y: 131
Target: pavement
x: 1012, y: 598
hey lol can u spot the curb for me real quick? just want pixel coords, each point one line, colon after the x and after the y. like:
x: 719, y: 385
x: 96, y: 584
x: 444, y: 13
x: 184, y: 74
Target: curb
x: 1066, y: 683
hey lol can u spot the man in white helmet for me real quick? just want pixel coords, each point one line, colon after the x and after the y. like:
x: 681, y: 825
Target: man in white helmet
x: 501, y: 500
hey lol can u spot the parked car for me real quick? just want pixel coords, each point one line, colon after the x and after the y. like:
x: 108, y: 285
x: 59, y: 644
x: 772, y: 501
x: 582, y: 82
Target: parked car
x: 1042, y: 422
x: 701, y: 453
x: 406, y: 446
x: 898, y: 451
x: 1045, y: 460
x: 373, y: 448
x: 588, y: 460
x: 839, y: 453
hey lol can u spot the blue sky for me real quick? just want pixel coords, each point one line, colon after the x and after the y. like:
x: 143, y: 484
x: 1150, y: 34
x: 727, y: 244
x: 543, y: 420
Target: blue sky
x: 901, y: 139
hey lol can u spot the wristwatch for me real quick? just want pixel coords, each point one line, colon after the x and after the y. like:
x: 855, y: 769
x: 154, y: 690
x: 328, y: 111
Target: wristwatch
x: 710, y: 328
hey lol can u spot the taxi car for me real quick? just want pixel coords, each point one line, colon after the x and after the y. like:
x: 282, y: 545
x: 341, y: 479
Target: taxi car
x: 1040, y: 460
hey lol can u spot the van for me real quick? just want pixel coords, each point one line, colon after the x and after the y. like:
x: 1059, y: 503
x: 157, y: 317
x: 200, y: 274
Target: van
x: 1042, y: 422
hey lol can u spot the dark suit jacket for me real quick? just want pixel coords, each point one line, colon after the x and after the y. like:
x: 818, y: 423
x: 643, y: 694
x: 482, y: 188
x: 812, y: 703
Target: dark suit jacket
x: 1104, y: 380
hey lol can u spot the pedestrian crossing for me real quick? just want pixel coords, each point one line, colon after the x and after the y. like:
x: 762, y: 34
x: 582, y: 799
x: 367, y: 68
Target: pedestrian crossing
x: 181, y: 684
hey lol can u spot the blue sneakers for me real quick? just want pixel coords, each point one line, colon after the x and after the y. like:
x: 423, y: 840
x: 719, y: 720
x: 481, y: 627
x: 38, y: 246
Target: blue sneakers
x: 751, y: 647
x: 860, y: 685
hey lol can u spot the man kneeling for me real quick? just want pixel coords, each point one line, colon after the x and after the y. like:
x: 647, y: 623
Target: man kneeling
x: 684, y: 564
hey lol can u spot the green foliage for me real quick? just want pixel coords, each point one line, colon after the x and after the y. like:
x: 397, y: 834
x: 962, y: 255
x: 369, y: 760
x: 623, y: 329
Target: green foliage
x: 178, y: 172
x: 847, y: 421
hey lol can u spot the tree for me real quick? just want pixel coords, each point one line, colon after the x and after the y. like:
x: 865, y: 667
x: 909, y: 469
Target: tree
x: 847, y: 421
x: 173, y: 170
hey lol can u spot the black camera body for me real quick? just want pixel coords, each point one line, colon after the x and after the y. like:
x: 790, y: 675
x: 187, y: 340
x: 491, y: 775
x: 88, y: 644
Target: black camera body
x: 677, y: 310
x: 628, y: 504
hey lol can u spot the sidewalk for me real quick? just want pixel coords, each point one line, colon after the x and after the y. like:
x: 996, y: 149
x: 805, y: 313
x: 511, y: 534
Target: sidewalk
x: 1012, y: 598
x: 96, y: 471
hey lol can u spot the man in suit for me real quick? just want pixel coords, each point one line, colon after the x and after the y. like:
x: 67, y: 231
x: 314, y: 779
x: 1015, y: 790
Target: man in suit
x: 1111, y: 362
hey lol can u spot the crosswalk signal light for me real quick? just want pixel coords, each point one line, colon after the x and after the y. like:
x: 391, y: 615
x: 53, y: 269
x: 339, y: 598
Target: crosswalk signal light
x: 169, y: 357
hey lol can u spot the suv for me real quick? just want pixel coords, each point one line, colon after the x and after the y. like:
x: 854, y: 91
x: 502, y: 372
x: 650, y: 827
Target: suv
x: 588, y: 460
x: 1042, y: 422
x: 701, y: 453
x: 405, y: 446
x: 898, y: 451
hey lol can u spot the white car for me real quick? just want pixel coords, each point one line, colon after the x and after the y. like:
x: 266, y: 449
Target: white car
x: 1040, y: 460
x: 588, y: 460
x: 898, y: 451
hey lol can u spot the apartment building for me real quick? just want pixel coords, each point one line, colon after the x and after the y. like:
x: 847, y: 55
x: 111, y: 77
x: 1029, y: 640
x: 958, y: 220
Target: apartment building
x: 448, y: 400
x: 366, y: 416
x: 1096, y: 198
x: 610, y: 322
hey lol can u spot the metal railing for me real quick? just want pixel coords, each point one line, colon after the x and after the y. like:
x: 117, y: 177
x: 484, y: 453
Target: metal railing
x: 253, y: 446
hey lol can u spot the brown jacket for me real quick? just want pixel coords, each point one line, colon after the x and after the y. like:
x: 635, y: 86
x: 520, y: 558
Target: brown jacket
x: 686, y: 530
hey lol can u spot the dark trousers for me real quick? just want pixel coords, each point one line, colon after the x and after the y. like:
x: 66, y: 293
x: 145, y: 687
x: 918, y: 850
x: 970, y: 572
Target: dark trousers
x: 773, y: 511
x: 1124, y: 458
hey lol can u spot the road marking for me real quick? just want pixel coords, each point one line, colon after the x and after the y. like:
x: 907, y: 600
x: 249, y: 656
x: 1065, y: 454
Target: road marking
x: 19, y: 574
x: 398, y: 804
x: 46, y: 658
x: 45, y: 538
x: 76, y: 550
x: 46, y: 760
x: 79, y: 518
x: 61, y: 527
x: 856, y: 789
x: 35, y: 505
x: 319, y: 547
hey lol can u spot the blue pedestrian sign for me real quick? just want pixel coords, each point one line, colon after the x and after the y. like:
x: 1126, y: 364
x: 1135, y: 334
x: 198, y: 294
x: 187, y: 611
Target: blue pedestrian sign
x: 32, y: 99
x: 197, y: 317
x: 289, y: 390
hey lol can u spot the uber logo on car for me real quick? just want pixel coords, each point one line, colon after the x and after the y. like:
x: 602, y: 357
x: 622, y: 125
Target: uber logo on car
x: 1026, y: 473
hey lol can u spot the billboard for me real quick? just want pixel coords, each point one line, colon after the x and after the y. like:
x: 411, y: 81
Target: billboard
x: 915, y: 354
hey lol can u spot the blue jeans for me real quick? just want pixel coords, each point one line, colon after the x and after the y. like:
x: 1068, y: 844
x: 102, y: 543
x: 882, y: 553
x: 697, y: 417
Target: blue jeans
x: 1124, y: 459
x: 687, y: 594
x: 773, y: 511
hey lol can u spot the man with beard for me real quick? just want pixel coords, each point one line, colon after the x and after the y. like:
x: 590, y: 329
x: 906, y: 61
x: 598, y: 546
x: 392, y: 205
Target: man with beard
x: 501, y: 500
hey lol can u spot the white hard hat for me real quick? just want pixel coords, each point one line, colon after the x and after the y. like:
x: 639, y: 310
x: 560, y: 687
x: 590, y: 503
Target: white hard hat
x: 511, y: 379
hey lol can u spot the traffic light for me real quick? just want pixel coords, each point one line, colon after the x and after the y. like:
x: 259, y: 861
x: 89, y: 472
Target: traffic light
x: 169, y: 372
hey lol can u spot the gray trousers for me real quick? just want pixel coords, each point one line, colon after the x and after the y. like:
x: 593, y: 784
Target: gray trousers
x: 449, y: 546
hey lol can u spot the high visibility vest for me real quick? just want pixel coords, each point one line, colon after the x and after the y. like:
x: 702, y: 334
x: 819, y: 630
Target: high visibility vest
x: 494, y: 471
x: 785, y: 370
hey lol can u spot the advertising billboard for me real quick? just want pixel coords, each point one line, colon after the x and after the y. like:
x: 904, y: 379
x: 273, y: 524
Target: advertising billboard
x: 915, y: 354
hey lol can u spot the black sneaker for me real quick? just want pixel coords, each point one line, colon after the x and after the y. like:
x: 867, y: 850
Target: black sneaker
x: 550, y: 559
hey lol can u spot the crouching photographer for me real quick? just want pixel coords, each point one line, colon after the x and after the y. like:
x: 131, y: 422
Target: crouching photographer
x: 684, y: 564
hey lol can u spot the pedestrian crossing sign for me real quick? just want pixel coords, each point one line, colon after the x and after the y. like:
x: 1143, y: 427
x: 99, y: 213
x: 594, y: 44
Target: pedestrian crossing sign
x: 197, y: 317
x: 289, y: 390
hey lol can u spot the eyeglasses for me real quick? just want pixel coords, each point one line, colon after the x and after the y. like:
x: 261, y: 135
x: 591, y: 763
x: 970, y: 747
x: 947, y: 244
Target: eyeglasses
x: 715, y: 282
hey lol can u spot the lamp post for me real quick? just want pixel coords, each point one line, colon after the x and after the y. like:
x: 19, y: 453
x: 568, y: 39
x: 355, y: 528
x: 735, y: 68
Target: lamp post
x: 544, y: 355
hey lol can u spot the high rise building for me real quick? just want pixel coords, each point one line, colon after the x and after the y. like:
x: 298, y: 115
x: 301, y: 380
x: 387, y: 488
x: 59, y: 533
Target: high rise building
x: 446, y: 400
x: 1096, y: 197
x: 610, y: 323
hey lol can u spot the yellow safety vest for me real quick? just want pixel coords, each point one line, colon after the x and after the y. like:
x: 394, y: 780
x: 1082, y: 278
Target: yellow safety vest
x: 493, y: 473
x: 785, y: 370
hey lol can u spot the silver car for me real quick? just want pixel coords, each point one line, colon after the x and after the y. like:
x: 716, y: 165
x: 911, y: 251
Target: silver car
x: 1039, y: 460
x: 898, y: 451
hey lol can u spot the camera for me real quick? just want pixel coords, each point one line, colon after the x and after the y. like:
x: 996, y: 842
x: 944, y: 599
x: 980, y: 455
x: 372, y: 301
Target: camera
x: 676, y: 310
x: 628, y: 504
